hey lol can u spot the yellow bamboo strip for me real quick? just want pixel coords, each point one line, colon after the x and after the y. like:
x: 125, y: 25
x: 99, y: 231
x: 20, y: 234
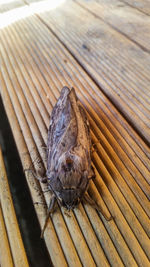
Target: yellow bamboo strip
x: 5, y: 253
x: 15, y: 240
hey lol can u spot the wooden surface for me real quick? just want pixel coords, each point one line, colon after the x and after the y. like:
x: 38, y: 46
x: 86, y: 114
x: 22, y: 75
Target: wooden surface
x: 5, y: 253
x: 110, y: 58
x: 126, y: 19
x: 6, y: 6
x: 143, y: 6
x: 12, y: 251
x: 68, y: 45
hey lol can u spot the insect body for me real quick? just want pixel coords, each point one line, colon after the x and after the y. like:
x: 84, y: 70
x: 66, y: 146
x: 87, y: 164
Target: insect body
x: 68, y: 152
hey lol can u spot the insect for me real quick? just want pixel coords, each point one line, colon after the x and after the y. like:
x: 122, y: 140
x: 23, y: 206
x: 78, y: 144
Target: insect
x: 69, y: 168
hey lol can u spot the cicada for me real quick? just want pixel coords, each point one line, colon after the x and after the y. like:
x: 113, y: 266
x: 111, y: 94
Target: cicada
x: 69, y: 168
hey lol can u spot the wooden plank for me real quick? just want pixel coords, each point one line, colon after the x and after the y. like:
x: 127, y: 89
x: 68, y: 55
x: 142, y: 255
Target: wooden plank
x: 5, y: 252
x: 142, y: 5
x: 14, y: 236
x: 51, y: 239
x: 38, y: 63
x: 104, y: 63
x: 122, y: 132
x: 35, y: 66
x: 122, y: 17
x: 63, y: 237
x: 5, y: 6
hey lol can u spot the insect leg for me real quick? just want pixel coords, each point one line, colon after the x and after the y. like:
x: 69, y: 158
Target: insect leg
x: 41, y: 179
x: 50, y: 210
x: 89, y: 200
x: 92, y: 173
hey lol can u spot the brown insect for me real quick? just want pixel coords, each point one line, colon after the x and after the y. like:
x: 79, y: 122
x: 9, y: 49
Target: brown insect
x: 69, y: 168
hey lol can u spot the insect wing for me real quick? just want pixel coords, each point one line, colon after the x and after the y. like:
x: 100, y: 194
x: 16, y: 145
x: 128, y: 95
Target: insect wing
x: 62, y: 134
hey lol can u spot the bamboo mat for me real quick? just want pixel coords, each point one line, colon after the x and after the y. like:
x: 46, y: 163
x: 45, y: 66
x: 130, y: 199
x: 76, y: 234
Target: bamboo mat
x: 35, y: 66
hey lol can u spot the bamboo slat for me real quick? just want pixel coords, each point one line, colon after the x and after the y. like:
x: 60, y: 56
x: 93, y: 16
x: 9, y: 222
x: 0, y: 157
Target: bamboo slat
x: 35, y: 66
x: 107, y: 62
x: 123, y: 18
x: 15, y: 241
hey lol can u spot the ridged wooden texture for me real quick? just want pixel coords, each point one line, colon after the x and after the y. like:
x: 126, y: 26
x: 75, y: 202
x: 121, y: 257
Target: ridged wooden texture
x: 119, y: 66
x: 12, y: 252
x: 34, y: 68
x: 9, y: 5
x: 123, y: 18
x: 5, y: 252
x: 142, y: 5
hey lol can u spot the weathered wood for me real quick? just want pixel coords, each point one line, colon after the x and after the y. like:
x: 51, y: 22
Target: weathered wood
x: 5, y: 7
x: 122, y: 17
x: 14, y: 236
x: 107, y: 62
x: 5, y: 252
x: 51, y: 238
x: 35, y: 66
x: 142, y: 5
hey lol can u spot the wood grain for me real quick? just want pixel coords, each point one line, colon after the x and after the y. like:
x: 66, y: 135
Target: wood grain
x: 35, y: 66
x: 5, y: 252
x: 141, y: 5
x: 123, y: 18
x: 106, y: 61
x: 14, y: 236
